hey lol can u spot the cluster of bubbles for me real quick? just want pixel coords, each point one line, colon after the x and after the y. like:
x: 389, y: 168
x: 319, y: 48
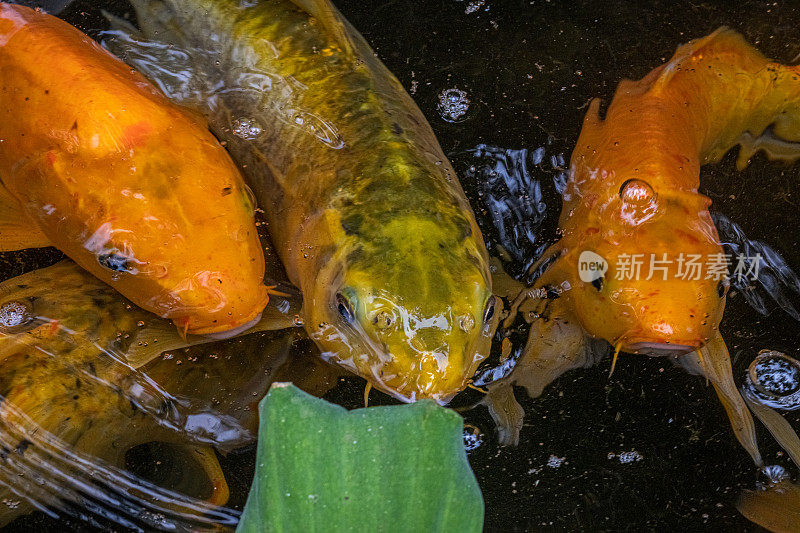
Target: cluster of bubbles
x: 246, y: 128
x: 14, y: 315
x: 453, y: 105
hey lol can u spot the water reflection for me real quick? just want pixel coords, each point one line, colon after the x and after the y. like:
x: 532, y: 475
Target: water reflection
x: 776, y: 279
x: 511, y: 191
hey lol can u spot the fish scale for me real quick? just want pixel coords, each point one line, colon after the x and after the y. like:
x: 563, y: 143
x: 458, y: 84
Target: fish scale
x: 364, y: 209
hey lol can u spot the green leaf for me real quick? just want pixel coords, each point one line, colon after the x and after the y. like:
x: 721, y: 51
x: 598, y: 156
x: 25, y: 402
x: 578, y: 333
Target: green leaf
x: 322, y: 468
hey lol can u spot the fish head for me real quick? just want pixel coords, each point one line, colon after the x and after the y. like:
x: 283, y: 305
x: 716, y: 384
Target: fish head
x: 412, y: 317
x: 650, y: 278
x: 176, y: 235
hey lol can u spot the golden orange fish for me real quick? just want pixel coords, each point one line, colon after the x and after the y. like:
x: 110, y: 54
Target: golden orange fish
x: 96, y: 161
x: 640, y: 264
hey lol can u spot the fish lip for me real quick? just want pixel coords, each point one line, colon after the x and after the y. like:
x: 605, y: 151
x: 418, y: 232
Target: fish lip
x: 657, y: 348
x: 222, y: 335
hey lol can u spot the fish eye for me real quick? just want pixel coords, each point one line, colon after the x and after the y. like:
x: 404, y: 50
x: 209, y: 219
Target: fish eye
x: 722, y: 287
x: 598, y: 283
x: 343, y: 305
x: 489, y: 312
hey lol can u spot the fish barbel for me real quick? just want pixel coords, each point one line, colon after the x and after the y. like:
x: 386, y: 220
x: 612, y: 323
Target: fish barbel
x: 365, y: 210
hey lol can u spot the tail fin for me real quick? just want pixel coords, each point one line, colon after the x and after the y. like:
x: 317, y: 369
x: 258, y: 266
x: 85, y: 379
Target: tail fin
x: 52, y: 477
x: 776, y: 508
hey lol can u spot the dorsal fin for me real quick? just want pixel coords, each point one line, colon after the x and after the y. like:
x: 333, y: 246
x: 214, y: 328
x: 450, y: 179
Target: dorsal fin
x: 330, y: 19
x: 684, y: 52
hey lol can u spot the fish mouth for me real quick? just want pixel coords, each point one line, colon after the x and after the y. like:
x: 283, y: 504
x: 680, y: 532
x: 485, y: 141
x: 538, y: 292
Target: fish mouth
x: 660, y: 348
x: 222, y: 335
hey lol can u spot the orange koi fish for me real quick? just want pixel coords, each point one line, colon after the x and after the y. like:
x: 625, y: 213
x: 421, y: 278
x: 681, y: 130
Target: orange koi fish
x: 96, y: 161
x: 640, y: 264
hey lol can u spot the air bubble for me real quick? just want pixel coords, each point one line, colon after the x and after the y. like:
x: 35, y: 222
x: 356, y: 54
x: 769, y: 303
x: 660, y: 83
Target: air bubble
x: 453, y: 105
x: 639, y: 201
x: 473, y: 438
x: 774, y: 380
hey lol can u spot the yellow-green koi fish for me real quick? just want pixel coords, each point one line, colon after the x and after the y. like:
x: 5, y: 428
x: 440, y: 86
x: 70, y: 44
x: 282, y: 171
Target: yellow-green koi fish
x: 364, y: 209
x: 73, y: 402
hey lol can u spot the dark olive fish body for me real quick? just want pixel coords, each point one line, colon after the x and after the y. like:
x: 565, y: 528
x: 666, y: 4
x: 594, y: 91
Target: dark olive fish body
x: 365, y: 210
x: 82, y: 382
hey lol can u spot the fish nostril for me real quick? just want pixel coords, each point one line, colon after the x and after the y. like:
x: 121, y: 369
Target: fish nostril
x: 383, y: 320
x: 722, y: 287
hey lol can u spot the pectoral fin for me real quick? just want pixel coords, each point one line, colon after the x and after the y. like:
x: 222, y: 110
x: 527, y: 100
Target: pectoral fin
x: 506, y: 412
x: 17, y: 230
x: 191, y: 470
x: 778, y: 427
x: 714, y: 363
x: 556, y: 343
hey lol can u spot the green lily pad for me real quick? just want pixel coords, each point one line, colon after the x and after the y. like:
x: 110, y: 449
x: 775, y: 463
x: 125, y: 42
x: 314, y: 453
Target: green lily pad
x: 321, y: 467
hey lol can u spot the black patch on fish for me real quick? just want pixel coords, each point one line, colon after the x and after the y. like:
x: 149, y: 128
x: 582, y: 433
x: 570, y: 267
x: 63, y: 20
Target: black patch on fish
x: 22, y: 446
x: 98, y: 302
x: 355, y: 255
x: 602, y: 109
x: 397, y: 129
x: 226, y: 191
x: 77, y: 383
x: 352, y: 223
x: 92, y: 369
x: 167, y: 408
x: 74, y: 126
x: 4, y: 452
x: 22, y: 286
x: 113, y: 261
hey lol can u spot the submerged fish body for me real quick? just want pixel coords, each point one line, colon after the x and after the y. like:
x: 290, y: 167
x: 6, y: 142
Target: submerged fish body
x: 365, y: 210
x: 81, y: 376
x: 96, y: 161
x: 632, y: 196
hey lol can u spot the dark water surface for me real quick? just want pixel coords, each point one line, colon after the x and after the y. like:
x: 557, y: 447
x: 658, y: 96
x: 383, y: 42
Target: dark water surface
x: 528, y: 69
